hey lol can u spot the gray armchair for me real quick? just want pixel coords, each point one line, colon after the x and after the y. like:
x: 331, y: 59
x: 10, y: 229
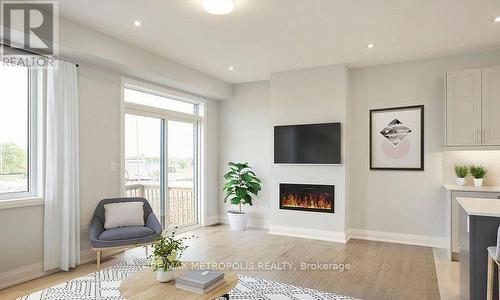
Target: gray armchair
x: 122, y: 237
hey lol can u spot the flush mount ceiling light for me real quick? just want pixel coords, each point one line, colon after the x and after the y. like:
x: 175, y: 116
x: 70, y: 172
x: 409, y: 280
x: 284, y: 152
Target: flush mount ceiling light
x: 231, y: 68
x: 137, y: 23
x: 370, y: 46
x: 497, y: 19
x: 218, y: 7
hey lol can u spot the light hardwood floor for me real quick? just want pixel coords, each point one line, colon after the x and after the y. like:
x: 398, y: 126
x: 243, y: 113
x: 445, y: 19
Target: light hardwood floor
x: 377, y: 270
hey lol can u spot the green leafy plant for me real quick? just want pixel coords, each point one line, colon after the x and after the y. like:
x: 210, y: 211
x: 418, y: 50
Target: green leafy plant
x: 478, y: 172
x: 167, y: 251
x: 241, y: 184
x: 461, y: 171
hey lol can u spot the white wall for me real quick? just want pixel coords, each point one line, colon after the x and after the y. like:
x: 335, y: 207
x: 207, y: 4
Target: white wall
x: 211, y: 160
x: 309, y: 96
x: 21, y: 233
x: 245, y: 134
x: 401, y: 201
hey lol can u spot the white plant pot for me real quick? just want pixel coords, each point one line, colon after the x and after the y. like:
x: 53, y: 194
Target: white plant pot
x: 164, y: 276
x: 237, y: 220
x: 461, y: 181
x: 478, y: 182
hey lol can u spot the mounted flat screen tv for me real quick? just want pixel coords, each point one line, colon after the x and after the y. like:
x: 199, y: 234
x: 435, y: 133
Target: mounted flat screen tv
x: 307, y: 144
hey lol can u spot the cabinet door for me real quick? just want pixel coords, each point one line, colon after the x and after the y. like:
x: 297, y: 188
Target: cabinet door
x: 463, y: 108
x: 491, y: 106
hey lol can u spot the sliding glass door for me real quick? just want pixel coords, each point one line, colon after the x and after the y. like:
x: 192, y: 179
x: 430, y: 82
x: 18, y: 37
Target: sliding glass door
x: 144, y: 160
x: 182, y: 166
x: 161, y: 155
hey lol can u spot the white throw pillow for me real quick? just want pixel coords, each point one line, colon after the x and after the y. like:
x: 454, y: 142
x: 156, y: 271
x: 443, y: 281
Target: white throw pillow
x: 123, y: 214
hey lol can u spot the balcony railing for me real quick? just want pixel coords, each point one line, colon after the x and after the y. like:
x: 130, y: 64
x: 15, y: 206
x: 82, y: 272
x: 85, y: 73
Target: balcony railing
x: 182, y: 208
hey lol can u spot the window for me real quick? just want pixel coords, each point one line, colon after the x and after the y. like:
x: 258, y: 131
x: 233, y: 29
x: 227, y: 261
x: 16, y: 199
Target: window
x: 150, y: 99
x: 17, y: 133
x: 161, y: 154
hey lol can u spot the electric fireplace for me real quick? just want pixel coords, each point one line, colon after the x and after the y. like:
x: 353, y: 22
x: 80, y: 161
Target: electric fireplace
x: 307, y: 197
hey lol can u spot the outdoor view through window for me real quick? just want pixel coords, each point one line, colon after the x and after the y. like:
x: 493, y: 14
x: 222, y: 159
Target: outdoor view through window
x: 152, y: 140
x: 14, y: 132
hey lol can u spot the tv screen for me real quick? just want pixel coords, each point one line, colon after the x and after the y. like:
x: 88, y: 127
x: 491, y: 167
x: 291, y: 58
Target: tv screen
x: 307, y: 144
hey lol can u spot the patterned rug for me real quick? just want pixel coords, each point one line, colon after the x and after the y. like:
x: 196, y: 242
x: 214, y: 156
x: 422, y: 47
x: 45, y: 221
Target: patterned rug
x: 103, y: 285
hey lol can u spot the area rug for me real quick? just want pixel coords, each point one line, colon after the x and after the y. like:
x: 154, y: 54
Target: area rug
x: 103, y: 285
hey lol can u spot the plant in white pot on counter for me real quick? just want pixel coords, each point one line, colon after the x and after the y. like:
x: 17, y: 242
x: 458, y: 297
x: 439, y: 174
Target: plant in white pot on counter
x: 478, y: 172
x: 462, y: 171
x: 167, y: 251
x: 241, y: 186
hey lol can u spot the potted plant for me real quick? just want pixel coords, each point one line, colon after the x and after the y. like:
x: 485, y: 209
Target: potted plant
x: 461, y: 171
x: 241, y: 185
x: 167, y: 251
x: 478, y: 172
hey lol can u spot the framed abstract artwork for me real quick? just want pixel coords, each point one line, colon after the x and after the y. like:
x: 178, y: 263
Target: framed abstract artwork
x: 397, y: 138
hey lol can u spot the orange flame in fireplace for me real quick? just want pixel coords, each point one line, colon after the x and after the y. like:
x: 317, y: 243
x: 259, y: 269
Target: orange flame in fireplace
x: 309, y: 200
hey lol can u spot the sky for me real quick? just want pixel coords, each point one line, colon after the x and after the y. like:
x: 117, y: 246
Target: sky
x: 13, y: 105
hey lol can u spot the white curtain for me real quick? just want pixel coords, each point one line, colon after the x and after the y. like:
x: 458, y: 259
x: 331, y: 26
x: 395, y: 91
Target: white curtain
x: 62, y: 204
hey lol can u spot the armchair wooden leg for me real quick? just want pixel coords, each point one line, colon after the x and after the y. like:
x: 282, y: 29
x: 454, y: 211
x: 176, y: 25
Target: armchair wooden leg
x: 489, y: 293
x: 146, y: 248
x: 99, y: 253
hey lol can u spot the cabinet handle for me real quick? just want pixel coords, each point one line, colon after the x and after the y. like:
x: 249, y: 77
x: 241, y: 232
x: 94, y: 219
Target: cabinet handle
x: 484, y: 136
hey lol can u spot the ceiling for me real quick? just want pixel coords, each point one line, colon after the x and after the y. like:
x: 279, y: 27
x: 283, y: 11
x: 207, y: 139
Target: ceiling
x: 264, y: 36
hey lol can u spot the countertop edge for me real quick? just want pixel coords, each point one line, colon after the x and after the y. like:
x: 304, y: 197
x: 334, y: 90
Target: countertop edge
x: 469, y: 188
x: 476, y: 206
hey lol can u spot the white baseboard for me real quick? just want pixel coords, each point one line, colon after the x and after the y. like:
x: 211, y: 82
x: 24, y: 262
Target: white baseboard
x: 323, y: 235
x: 399, y: 238
x: 23, y: 274
x: 252, y: 222
x: 212, y: 220
x: 34, y: 271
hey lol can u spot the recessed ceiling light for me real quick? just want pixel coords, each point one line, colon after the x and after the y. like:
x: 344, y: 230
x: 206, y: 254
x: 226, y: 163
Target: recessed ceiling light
x: 497, y: 19
x: 137, y: 23
x: 371, y: 46
x: 218, y: 7
x: 231, y: 68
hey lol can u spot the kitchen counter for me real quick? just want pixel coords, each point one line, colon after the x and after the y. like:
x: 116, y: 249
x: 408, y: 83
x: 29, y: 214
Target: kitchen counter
x: 479, y: 220
x: 480, y: 206
x: 451, y: 193
x: 471, y: 188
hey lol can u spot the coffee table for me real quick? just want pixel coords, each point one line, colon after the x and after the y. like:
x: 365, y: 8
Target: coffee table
x: 143, y: 285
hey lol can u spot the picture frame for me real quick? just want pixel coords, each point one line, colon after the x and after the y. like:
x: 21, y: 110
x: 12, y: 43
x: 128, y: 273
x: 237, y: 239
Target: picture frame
x: 397, y: 138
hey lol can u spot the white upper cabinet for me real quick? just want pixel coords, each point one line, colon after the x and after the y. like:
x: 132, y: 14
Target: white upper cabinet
x: 463, y: 108
x: 491, y: 106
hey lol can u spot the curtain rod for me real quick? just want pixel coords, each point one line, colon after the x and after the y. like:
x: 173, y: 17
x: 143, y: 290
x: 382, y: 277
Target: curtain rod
x: 39, y: 54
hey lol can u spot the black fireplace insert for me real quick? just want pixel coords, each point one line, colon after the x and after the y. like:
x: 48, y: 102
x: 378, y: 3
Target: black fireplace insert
x: 307, y: 197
